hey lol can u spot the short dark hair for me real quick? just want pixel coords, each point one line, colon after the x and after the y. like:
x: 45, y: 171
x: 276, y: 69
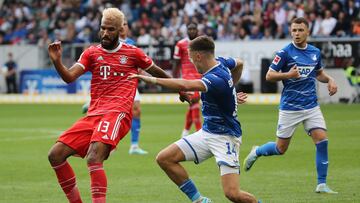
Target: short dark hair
x: 192, y: 24
x: 300, y: 20
x: 203, y: 43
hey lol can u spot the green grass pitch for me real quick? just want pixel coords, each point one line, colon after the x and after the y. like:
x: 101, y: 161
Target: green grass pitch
x: 28, y: 131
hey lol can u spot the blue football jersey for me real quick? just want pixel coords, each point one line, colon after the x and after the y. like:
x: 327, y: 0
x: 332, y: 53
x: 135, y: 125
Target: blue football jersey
x: 219, y: 104
x: 298, y: 94
x: 128, y: 41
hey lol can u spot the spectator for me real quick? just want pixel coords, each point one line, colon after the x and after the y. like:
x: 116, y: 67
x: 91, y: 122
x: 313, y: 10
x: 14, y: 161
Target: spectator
x: 342, y: 27
x: 328, y: 24
x: 10, y: 74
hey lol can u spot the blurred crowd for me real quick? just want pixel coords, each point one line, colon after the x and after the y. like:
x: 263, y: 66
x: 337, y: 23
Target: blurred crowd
x: 164, y: 21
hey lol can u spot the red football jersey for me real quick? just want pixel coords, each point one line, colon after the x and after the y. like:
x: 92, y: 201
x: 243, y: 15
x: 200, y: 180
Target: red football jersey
x: 188, y: 70
x: 110, y: 90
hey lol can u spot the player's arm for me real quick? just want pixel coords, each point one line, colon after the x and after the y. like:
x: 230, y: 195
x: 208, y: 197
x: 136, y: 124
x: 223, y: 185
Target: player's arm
x: 325, y: 78
x: 173, y: 83
x: 274, y: 76
x: 236, y: 72
x: 68, y: 75
x: 158, y: 72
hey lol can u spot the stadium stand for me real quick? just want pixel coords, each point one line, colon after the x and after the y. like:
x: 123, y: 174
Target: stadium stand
x: 40, y: 21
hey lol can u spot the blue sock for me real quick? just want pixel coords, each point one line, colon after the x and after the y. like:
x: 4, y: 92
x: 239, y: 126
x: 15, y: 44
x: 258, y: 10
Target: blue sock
x: 135, y: 130
x: 322, y: 160
x: 267, y: 149
x: 189, y: 188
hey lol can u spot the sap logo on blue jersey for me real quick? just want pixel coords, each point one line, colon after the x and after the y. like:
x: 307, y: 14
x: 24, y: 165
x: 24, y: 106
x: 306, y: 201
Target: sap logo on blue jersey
x: 305, y: 70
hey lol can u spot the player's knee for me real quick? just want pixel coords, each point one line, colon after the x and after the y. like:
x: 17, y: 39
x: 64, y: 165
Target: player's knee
x: 93, y: 157
x: 282, y: 149
x: 55, y: 157
x: 232, y: 194
x: 160, y: 159
x: 136, y: 113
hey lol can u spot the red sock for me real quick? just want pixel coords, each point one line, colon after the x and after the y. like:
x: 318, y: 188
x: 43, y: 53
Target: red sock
x: 195, y: 113
x: 188, y: 120
x: 67, y: 181
x: 98, y: 182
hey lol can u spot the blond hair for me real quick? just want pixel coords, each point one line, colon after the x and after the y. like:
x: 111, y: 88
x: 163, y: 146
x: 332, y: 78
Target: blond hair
x: 114, y: 14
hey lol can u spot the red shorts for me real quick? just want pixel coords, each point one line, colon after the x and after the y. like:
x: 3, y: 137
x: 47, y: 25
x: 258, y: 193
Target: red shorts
x: 108, y: 128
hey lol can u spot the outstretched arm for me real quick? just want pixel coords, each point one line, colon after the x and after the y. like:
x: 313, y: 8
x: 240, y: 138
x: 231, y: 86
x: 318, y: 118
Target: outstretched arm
x: 68, y: 75
x: 156, y: 71
x: 171, y: 83
x: 325, y: 78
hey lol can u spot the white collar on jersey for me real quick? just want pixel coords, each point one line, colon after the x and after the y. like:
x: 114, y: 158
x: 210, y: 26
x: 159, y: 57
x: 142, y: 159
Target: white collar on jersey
x: 114, y: 50
x: 299, y: 47
x: 212, y: 68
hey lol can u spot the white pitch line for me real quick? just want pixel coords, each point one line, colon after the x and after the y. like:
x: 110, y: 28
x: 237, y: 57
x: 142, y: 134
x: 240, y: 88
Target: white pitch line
x: 50, y: 134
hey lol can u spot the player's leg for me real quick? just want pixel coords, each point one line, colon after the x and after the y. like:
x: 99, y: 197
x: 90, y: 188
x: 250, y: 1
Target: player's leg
x: 287, y: 123
x: 196, y: 118
x: 230, y: 184
x: 73, y: 141
x: 316, y: 128
x: 195, y: 115
x: 186, y: 149
x: 135, y: 127
x: 188, y: 122
x: 108, y: 132
x: 65, y: 175
x: 97, y: 153
x: 226, y: 152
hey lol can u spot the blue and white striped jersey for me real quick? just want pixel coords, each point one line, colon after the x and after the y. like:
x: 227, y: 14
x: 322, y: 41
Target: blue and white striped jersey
x: 219, y: 105
x: 298, y: 94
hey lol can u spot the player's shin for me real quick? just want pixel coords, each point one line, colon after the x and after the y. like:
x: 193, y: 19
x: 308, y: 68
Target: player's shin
x: 135, y: 130
x: 189, y: 188
x: 98, y: 182
x: 322, y: 160
x: 67, y: 181
x: 268, y: 149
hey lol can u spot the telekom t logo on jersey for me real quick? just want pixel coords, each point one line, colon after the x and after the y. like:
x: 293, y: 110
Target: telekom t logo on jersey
x: 105, y: 71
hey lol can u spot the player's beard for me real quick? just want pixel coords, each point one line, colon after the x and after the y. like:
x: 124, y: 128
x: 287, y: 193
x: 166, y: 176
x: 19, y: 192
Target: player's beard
x: 110, y: 44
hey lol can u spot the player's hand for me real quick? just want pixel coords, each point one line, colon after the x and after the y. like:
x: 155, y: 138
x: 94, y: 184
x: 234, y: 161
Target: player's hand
x: 241, y: 97
x: 144, y: 78
x: 184, y: 96
x: 332, y: 87
x: 55, y: 51
x: 293, y: 73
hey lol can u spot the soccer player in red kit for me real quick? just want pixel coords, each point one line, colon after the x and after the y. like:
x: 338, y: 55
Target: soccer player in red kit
x: 188, y: 71
x: 109, y: 115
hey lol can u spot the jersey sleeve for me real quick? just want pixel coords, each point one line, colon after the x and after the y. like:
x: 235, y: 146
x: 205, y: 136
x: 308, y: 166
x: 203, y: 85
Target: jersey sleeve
x: 212, y: 83
x: 319, y: 65
x: 177, y: 51
x: 228, y: 62
x: 143, y: 61
x: 84, y: 60
x: 279, y: 61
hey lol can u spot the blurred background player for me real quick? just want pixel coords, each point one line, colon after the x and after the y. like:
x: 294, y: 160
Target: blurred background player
x: 298, y: 66
x: 136, y: 110
x: 221, y: 133
x: 109, y: 117
x: 188, y: 71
